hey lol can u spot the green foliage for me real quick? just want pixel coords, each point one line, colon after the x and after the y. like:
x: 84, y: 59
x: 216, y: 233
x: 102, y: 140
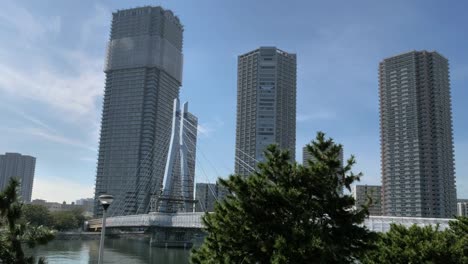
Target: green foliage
x: 68, y: 220
x: 37, y: 215
x: 410, y: 245
x: 14, y: 231
x: 78, y: 213
x: 458, y: 233
x: 422, y: 245
x: 288, y: 213
x: 64, y: 220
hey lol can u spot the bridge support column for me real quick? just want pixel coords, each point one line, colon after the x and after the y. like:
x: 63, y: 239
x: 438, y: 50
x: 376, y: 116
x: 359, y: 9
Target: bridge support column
x: 171, y: 237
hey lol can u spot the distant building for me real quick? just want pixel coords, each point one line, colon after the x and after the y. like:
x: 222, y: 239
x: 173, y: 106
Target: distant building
x: 70, y: 206
x: 307, y: 156
x: 86, y: 203
x: 266, y: 105
x: 21, y: 167
x: 418, y: 176
x: 207, y: 194
x: 51, y: 206
x: 362, y: 193
x: 60, y: 207
x: 462, y: 209
x: 222, y: 192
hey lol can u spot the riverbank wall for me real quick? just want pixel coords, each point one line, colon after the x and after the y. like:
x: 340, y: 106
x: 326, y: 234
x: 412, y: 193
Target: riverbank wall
x: 141, y: 236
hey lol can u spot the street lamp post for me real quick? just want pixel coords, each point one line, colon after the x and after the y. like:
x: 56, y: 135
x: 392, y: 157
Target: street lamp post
x: 106, y: 200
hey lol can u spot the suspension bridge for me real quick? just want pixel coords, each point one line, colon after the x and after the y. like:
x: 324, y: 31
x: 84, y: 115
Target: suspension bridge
x: 167, y: 214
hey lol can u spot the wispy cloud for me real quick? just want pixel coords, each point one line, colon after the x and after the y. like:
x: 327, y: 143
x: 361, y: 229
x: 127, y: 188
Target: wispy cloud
x: 74, y: 91
x: 204, y: 129
x: 75, y: 95
x: 208, y: 128
x: 58, y: 138
x: 101, y: 17
x: 51, y: 137
x: 29, y: 118
x: 29, y: 27
x: 59, y: 77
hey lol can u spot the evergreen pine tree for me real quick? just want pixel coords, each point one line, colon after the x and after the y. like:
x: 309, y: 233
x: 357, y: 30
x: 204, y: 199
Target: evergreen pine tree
x: 288, y: 213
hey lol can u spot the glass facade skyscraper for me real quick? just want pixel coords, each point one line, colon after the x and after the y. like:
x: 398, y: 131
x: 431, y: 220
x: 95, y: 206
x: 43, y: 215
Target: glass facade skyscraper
x: 361, y: 195
x: 266, y: 105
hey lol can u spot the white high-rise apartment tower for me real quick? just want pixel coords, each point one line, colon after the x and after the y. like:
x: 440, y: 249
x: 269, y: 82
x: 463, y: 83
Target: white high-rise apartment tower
x: 22, y: 167
x: 418, y: 178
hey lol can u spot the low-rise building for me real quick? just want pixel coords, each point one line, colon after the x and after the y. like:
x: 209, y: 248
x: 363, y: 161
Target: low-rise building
x: 57, y: 207
x: 462, y: 209
x: 87, y: 203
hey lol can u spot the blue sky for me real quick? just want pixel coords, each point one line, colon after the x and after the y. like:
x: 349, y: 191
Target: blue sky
x: 51, y: 76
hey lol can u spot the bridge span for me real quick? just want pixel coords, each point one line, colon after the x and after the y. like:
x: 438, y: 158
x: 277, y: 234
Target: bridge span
x: 169, y: 220
x: 194, y: 221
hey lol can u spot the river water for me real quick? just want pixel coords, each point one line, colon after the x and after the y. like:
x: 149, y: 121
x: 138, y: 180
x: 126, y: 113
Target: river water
x: 116, y: 251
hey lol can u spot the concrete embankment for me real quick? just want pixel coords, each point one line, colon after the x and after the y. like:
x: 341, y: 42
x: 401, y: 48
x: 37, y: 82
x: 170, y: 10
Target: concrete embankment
x: 97, y: 236
x: 77, y: 235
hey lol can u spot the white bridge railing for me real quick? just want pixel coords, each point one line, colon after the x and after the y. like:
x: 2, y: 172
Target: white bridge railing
x: 183, y: 220
x: 382, y: 223
x: 194, y: 220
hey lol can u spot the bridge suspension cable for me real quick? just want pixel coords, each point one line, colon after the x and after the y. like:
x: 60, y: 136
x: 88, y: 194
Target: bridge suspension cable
x: 249, y: 168
x: 237, y: 149
x: 201, y: 167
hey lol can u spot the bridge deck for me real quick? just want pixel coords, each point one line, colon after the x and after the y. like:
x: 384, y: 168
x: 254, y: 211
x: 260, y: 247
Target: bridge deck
x: 194, y: 220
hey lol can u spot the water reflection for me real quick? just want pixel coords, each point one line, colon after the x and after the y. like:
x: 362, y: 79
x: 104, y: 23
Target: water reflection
x: 116, y: 251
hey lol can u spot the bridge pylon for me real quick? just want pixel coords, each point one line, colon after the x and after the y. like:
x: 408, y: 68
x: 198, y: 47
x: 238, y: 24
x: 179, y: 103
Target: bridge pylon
x: 177, y: 192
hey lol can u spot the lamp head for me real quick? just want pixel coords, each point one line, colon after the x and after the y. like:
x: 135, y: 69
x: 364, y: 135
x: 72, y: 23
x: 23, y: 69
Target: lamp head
x: 106, y: 200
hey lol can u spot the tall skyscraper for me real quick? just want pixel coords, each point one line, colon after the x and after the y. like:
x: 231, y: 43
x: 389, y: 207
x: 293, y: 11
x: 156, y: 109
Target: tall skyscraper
x: 143, y: 76
x: 418, y: 177
x: 266, y: 105
x: 21, y: 167
x: 361, y: 194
